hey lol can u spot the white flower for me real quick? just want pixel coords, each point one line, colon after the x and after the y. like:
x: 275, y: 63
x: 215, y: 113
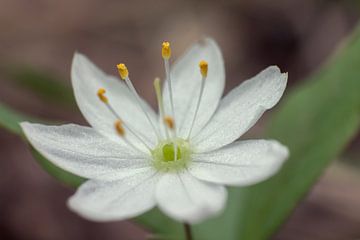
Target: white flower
x: 178, y: 160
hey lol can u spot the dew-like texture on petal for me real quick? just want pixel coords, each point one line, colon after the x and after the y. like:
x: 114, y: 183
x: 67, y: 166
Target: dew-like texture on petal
x: 241, y: 108
x: 87, y: 79
x: 240, y: 163
x: 84, y: 152
x: 186, y: 82
x: 116, y: 200
x: 187, y: 199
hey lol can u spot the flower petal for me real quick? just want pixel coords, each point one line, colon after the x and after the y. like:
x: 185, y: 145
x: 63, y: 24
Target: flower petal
x: 241, y: 163
x: 186, y: 82
x: 117, y: 200
x: 241, y: 109
x: 84, y: 152
x: 187, y: 199
x: 87, y: 79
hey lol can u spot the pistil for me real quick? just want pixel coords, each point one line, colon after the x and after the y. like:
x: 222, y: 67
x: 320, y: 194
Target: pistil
x: 160, y: 101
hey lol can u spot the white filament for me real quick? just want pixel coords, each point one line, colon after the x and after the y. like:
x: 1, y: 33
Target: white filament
x: 112, y: 110
x: 134, y: 92
x: 203, y: 80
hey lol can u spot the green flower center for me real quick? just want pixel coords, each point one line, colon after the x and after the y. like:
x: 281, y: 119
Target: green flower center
x: 164, y: 158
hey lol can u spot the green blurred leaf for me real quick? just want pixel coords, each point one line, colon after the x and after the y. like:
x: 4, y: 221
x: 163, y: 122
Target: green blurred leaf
x: 44, y: 84
x: 9, y: 119
x: 48, y: 87
x: 316, y: 121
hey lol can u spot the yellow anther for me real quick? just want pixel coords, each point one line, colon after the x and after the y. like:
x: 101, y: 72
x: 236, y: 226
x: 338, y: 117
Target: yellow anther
x: 123, y: 71
x: 169, y: 121
x: 119, y: 128
x: 166, y: 50
x: 203, y: 68
x: 101, y: 94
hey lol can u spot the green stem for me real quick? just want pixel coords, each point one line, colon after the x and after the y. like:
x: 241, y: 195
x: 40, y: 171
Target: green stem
x: 187, y: 229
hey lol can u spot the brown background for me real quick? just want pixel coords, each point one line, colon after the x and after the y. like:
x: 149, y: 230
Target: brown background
x: 43, y: 35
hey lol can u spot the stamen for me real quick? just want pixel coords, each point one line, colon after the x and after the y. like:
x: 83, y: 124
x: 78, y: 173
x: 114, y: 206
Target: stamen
x: 203, y: 65
x: 124, y: 74
x: 166, y: 54
x: 119, y: 124
x: 159, y: 98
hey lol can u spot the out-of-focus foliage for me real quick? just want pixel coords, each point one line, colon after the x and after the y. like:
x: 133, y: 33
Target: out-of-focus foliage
x: 9, y: 119
x: 44, y: 84
x: 316, y: 120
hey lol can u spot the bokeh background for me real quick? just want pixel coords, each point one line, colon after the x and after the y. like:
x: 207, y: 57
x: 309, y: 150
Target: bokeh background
x: 37, y: 42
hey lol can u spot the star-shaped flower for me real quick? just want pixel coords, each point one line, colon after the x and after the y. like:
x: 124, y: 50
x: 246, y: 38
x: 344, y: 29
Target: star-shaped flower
x: 179, y: 159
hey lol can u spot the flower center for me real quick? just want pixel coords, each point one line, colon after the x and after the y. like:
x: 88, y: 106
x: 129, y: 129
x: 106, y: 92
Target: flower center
x: 165, y: 159
x: 172, y: 153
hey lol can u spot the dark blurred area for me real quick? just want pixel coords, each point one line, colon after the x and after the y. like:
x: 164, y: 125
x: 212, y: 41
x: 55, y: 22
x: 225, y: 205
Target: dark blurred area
x: 42, y: 36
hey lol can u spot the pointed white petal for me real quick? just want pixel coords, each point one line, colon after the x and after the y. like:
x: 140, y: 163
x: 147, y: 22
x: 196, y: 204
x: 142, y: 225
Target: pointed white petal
x: 187, y: 199
x: 186, y: 82
x: 241, y: 163
x: 84, y: 152
x: 87, y: 79
x: 241, y: 109
x: 117, y: 200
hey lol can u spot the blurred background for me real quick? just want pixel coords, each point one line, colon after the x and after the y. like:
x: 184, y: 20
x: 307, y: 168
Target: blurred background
x: 39, y: 37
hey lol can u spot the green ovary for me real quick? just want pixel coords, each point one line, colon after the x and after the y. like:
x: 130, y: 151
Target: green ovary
x: 169, y: 152
x: 164, y: 155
